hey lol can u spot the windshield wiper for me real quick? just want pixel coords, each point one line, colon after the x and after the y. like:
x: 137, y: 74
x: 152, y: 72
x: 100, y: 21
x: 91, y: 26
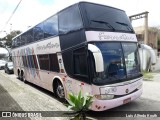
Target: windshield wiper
x: 124, y: 24
x: 106, y: 23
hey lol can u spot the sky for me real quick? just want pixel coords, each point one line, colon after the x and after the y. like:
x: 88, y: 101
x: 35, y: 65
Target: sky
x: 31, y: 12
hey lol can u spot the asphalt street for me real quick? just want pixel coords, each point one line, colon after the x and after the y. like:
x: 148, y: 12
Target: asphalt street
x: 18, y: 96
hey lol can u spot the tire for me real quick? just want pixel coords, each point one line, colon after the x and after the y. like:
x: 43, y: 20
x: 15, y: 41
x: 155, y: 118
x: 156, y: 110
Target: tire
x: 19, y: 76
x: 59, y: 91
x: 23, y: 77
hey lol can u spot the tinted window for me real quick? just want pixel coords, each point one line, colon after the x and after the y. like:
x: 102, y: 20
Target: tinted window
x: 24, y: 38
x: 80, y: 64
x: 105, y: 18
x: 114, y: 68
x: 131, y: 59
x: 24, y: 61
x: 14, y: 43
x: 30, y: 36
x: 70, y: 19
x: 18, y: 41
x: 121, y: 61
x: 38, y: 32
x: 51, y: 26
x: 54, y: 63
x: 43, y: 62
x: 30, y: 61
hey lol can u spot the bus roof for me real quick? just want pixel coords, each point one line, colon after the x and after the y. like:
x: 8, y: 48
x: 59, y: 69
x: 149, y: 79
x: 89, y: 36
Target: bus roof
x: 81, y: 2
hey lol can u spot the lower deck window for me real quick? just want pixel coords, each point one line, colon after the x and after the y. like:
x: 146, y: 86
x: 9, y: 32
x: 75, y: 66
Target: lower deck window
x: 44, y: 62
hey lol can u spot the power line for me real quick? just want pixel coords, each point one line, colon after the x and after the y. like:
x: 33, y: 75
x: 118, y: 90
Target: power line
x: 11, y: 16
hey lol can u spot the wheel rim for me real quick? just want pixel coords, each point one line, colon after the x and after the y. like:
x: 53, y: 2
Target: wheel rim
x: 60, y: 91
x: 23, y: 78
x: 19, y: 77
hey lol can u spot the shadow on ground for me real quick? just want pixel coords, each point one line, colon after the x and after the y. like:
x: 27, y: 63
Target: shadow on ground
x: 7, y: 103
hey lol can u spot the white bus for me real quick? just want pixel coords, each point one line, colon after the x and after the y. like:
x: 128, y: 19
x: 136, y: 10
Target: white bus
x: 87, y: 47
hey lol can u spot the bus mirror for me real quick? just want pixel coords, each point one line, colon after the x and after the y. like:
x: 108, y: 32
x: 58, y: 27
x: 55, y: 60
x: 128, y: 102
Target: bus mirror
x: 97, y: 57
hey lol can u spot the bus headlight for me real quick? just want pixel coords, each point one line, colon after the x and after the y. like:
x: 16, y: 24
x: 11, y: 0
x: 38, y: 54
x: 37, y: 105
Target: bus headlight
x: 104, y: 97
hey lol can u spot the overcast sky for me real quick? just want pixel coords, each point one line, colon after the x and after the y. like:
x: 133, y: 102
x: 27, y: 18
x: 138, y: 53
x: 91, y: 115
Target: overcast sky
x: 31, y: 12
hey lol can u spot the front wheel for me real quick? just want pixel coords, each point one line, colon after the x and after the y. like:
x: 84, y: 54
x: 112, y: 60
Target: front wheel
x: 59, y: 91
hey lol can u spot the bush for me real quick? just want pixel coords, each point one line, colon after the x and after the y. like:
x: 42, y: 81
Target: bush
x: 80, y: 104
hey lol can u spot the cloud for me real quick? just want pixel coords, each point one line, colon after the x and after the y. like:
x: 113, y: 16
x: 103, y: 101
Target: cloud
x: 31, y: 12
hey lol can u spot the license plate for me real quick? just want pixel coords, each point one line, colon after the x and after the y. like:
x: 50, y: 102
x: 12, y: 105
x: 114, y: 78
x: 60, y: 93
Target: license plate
x: 126, y: 100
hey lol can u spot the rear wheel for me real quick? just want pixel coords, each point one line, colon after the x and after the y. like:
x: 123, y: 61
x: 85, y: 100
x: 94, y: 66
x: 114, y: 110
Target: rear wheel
x: 23, y: 77
x: 59, y: 91
x: 19, y: 76
x: 8, y: 71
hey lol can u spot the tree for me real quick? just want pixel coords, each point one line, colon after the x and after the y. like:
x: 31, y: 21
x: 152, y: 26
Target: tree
x: 8, y: 38
x: 157, y: 29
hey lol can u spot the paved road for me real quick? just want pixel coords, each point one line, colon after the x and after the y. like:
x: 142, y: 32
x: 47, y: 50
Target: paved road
x: 16, y: 95
x: 149, y: 101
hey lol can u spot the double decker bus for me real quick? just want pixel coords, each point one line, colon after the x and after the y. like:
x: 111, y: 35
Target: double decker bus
x: 87, y: 47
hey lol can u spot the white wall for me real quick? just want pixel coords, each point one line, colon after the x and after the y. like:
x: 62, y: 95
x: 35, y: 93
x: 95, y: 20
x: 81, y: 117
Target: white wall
x: 156, y: 67
x: 148, y: 58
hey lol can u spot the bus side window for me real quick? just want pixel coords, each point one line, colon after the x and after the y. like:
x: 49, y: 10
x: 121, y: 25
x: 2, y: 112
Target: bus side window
x: 54, y: 66
x: 80, y: 62
x: 24, y: 37
x: 44, y: 62
x: 51, y: 26
x: 38, y: 32
x: 30, y: 36
x: 69, y: 20
x: 18, y: 41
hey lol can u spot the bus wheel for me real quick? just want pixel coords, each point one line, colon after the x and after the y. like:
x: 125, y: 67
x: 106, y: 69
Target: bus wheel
x: 23, y: 77
x: 59, y: 91
x: 19, y: 75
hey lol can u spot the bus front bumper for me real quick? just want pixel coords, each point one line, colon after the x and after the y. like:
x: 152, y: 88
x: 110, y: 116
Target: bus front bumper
x: 101, y: 105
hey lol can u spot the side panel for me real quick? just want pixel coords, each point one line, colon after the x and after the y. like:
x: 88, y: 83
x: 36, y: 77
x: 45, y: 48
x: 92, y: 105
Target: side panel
x: 51, y: 45
x: 39, y: 77
x: 110, y: 36
x: 69, y: 42
x: 74, y: 86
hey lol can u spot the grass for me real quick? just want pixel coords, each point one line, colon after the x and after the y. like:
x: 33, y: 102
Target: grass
x: 148, y: 76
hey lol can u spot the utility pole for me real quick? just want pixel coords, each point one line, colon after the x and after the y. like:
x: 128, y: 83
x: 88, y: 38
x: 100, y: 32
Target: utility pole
x: 146, y: 28
x: 10, y: 28
x: 145, y: 16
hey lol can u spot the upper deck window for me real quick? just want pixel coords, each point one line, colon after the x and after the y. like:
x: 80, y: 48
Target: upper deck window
x: 70, y: 20
x: 51, y: 26
x: 105, y: 18
x: 38, y: 32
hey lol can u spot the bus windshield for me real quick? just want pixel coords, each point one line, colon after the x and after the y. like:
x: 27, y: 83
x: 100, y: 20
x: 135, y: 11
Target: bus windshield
x: 106, y: 18
x: 121, y: 62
